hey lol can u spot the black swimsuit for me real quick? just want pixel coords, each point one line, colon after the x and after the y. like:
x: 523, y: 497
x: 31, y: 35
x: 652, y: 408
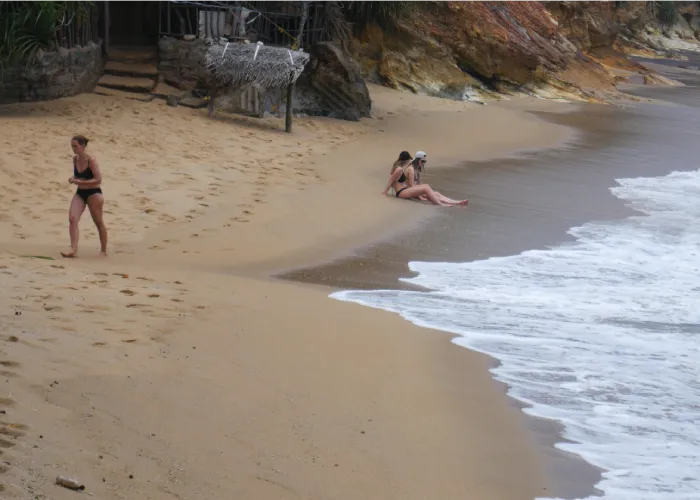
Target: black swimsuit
x: 401, y: 180
x: 85, y: 175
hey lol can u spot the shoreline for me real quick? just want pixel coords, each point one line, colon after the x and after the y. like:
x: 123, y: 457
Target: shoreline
x: 120, y: 329
x: 575, y: 477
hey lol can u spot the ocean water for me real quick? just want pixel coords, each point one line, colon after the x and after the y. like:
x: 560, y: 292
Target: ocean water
x: 601, y: 334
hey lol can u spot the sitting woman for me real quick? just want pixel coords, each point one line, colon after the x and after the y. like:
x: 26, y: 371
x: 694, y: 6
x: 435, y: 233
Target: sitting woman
x: 419, y: 161
x: 401, y: 180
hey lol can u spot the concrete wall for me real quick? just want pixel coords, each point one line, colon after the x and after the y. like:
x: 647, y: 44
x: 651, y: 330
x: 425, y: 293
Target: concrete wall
x: 63, y: 73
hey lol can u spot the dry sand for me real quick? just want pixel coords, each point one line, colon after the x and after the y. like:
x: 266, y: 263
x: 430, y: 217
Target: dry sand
x: 177, y: 369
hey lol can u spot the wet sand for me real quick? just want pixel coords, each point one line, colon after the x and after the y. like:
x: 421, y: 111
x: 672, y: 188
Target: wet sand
x: 178, y: 368
x: 530, y: 202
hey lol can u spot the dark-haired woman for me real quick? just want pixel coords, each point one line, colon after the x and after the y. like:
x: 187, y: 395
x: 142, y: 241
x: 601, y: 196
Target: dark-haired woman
x: 401, y: 173
x: 88, y: 179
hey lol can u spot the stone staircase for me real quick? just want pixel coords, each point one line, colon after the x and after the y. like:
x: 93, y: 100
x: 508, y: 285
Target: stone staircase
x: 132, y: 73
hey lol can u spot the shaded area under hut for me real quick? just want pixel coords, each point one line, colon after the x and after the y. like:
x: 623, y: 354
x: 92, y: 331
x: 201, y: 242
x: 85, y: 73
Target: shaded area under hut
x: 236, y: 65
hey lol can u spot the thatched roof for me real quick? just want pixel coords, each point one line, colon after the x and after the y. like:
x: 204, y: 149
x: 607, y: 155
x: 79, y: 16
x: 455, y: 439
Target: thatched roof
x: 237, y: 64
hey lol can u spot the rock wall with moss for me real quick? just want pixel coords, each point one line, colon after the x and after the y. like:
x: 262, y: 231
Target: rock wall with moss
x: 50, y: 75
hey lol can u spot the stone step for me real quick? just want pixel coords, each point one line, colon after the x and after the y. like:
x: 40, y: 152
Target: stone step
x: 131, y: 69
x: 133, y: 54
x: 163, y: 90
x: 127, y: 83
x: 120, y: 93
x: 194, y: 102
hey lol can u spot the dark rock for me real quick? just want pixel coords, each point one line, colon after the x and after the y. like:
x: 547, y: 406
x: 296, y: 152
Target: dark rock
x: 335, y: 80
x: 194, y: 102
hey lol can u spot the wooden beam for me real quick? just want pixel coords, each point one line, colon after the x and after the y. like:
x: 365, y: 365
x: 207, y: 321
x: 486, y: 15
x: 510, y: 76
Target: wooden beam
x: 290, y: 87
x: 169, y: 30
x: 106, y: 40
x: 288, y: 113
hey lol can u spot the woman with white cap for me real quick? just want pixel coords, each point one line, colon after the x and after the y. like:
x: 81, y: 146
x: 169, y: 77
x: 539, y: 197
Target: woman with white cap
x: 419, y: 161
x: 402, y: 185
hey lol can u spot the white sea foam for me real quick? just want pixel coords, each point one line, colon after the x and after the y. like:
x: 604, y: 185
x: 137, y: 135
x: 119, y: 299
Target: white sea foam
x: 602, y: 335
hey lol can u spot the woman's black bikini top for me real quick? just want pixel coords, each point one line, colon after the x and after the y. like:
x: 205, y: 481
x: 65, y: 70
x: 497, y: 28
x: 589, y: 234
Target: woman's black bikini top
x: 85, y: 174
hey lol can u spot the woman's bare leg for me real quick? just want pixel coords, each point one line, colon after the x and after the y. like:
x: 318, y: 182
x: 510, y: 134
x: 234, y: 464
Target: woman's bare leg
x: 450, y: 201
x: 77, y: 207
x: 446, y: 200
x: 422, y: 190
x: 96, y: 203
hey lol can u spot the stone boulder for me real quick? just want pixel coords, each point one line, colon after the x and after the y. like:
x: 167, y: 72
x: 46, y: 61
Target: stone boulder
x: 182, y: 62
x: 332, y: 82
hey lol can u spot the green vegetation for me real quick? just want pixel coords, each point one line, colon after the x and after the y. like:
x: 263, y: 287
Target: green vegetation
x: 383, y: 14
x: 27, y: 27
x: 668, y: 13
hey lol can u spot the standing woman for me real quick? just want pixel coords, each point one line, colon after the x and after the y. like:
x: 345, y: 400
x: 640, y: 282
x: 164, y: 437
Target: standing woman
x: 88, y: 178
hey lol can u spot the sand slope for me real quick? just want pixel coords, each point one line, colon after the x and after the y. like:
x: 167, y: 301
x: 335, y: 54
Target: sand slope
x: 163, y: 363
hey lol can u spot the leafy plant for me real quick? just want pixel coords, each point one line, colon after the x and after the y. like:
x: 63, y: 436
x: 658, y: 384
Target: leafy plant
x: 27, y: 27
x: 383, y: 14
x: 667, y: 13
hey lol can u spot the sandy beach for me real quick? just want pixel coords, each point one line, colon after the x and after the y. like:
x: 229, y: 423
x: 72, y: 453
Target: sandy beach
x: 178, y: 368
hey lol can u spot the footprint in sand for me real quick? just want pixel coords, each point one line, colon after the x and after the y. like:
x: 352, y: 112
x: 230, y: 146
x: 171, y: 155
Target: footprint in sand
x: 12, y: 430
x: 6, y: 443
x: 127, y: 292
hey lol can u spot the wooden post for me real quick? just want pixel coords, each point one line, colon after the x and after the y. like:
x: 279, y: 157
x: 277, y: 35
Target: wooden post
x: 288, y: 114
x: 290, y: 87
x: 106, y: 40
x: 169, y: 27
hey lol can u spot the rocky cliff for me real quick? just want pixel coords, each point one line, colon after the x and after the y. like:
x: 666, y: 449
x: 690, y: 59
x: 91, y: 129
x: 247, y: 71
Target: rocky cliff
x: 478, y: 50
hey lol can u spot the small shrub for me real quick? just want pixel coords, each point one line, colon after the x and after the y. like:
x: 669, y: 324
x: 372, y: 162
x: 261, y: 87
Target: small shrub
x: 668, y: 14
x: 382, y: 12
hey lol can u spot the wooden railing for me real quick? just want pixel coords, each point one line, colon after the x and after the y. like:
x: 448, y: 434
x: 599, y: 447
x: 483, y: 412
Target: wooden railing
x: 210, y: 20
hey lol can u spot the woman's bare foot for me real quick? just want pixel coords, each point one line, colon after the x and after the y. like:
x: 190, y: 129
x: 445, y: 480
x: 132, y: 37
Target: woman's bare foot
x: 463, y: 203
x: 103, y: 253
x: 69, y: 255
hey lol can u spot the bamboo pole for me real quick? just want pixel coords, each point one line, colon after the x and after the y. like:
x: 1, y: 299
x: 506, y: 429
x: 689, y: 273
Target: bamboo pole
x: 290, y: 87
x: 106, y: 40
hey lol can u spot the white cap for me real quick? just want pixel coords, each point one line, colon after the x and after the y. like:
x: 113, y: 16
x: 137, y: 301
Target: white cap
x: 420, y: 155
